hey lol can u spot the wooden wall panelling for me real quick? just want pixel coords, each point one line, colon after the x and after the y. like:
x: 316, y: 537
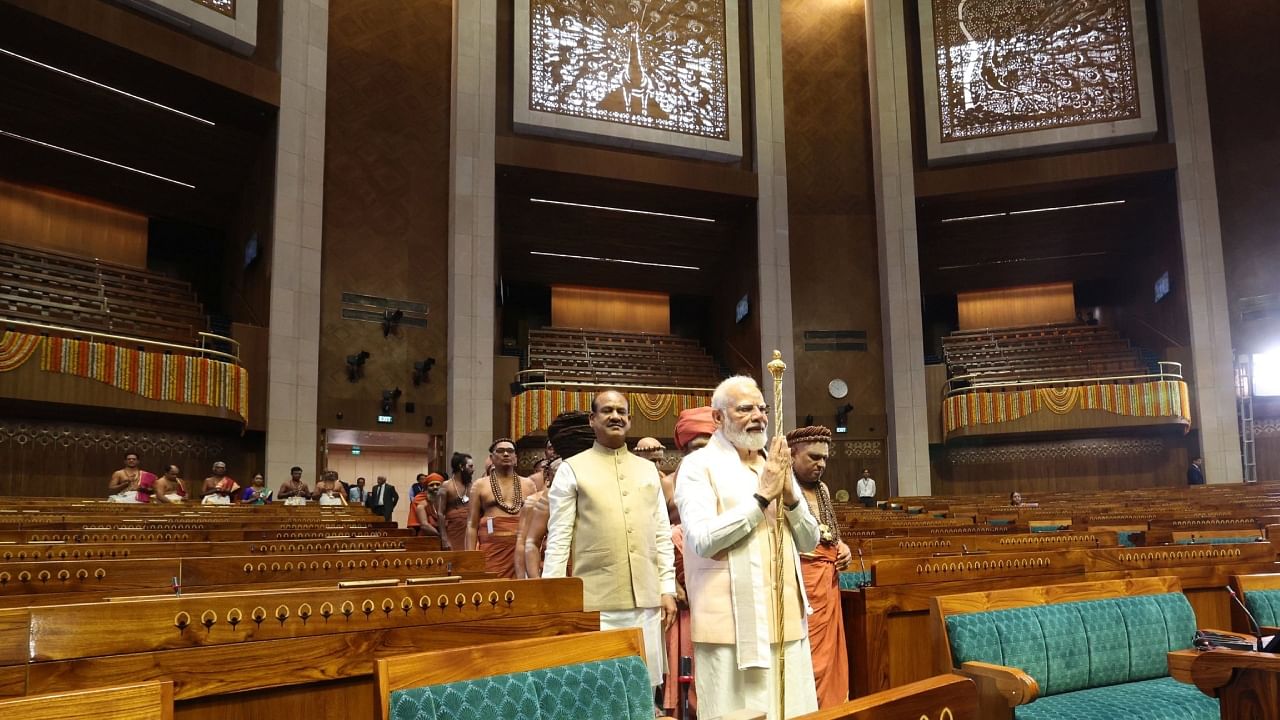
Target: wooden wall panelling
x: 835, y: 281
x: 604, y: 309
x: 1014, y: 306
x: 54, y: 458
x: 400, y: 468
x: 253, y: 357
x: 386, y: 205
x: 1239, y: 54
x: 1103, y: 463
x: 52, y: 221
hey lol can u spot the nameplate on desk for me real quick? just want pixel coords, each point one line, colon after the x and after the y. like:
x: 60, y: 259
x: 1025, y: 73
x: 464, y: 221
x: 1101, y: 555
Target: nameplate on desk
x: 434, y: 580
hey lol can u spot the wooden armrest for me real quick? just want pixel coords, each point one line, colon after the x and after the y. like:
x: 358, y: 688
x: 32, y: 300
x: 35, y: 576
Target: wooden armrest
x: 1011, y: 686
x: 1270, y: 630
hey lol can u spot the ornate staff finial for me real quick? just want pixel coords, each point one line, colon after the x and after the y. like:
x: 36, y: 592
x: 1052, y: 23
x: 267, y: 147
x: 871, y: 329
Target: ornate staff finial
x: 776, y: 368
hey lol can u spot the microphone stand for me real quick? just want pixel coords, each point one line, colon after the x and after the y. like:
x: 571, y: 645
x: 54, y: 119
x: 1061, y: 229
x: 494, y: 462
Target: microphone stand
x: 776, y: 368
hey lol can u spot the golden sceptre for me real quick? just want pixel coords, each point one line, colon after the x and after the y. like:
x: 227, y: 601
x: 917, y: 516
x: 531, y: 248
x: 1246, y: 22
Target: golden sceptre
x: 776, y: 368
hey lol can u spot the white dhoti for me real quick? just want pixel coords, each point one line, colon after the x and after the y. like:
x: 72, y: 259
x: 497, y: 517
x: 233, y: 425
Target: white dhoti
x: 327, y: 499
x: 723, y: 688
x: 128, y: 496
x: 649, y: 620
x: 216, y: 500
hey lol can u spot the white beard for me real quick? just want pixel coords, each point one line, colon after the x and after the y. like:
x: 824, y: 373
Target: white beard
x: 746, y: 439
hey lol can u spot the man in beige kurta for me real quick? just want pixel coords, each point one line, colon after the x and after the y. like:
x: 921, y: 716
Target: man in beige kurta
x: 607, y: 507
x: 727, y: 494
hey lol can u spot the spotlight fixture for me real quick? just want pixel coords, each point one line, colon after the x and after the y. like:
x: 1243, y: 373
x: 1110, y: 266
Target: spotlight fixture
x: 422, y: 371
x: 389, y: 398
x: 391, y: 320
x: 355, y: 365
x: 842, y: 417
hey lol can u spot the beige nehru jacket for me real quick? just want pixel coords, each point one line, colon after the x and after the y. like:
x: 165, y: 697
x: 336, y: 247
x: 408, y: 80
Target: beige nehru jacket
x: 607, y: 506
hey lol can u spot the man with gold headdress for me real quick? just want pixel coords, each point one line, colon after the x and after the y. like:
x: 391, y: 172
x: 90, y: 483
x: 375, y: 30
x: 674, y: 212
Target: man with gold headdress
x: 810, y: 448
x: 727, y: 494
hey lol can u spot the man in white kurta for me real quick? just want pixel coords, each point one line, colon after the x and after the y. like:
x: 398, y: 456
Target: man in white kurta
x: 607, y: 506
x: 727, y: 494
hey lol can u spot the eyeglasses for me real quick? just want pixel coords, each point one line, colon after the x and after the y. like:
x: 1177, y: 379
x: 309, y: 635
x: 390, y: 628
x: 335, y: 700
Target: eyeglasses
x: 505, y: 451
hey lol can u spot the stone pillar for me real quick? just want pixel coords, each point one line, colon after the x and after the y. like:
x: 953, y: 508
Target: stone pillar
x: 294, y: 332
x: 471, y: 228
x: 908, y: 432
x: 774, y: 248
x: 1214, y: 412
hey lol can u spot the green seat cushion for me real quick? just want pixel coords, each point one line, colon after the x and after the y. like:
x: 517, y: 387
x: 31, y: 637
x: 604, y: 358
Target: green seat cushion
x: 999, y: 522
x: 854, y: 580
x: 1159, y: 699
x: 616, y: 688
x: 1049, y: 528
x: 501, y: 697
x: 1068, y: 647
x: 1125, y: 537
x: 1265, y: 606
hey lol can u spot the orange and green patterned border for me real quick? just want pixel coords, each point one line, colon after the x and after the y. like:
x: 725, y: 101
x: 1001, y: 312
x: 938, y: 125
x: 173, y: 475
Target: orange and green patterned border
x: 1158, y: 398
x: 153, y: 375
x: 533, y: 410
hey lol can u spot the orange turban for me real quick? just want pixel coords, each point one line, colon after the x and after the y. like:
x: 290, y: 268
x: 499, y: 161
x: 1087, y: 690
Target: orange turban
x: 434, y: 477
x: 692, y: 423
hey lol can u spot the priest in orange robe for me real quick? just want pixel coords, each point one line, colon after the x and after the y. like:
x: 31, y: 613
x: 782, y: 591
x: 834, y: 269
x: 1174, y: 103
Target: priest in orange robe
x: 810, y: 448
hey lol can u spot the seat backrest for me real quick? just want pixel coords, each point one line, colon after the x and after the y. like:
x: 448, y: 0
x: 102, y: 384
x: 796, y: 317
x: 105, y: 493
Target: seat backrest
x: 1073, y: 645
x: 143, y: 701
x: 586, y: 675
x: 1261, y: 593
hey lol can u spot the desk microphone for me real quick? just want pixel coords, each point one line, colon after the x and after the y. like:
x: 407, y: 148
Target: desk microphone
x: 1253, y: 623
x: 964, y: 549
x: 866, y: 578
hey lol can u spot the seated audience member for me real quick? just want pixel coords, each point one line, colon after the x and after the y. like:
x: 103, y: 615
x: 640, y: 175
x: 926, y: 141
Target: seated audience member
x: 293, y: 491
x: 123, y: 487
x: 1015, y: 500
x: 257, y: 493
x: 170, y: 488
x: 219, y: 487
x: 146, y: 487
x: 424, y: 509
x: 355, y: 494
x: 329, y: 490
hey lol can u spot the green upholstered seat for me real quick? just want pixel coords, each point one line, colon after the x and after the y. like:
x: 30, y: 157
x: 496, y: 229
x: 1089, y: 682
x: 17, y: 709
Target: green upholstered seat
x: 1086, y: 655
x: 1159, y: 699
x: 1264, y: 605
x: 616, y: 688
x: 999, y: 522
x: 500, y: 697
x: 854, y: 580
x: 1049, y: 528
x: 1218, y: 540
x: 1125, y: 537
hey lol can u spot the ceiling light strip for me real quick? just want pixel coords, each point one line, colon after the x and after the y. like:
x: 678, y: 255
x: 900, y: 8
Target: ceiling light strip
x: 95, y: 83
x: 613, y: 260
x: 1066, y: 207
x: 630, y: 211
x: 967, y: 218
x: 95, y: 158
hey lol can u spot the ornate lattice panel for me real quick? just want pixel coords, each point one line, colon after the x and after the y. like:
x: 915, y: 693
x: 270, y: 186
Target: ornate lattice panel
x: 650, y: 72
x: 1018, y: 75
x: 1023, y: 452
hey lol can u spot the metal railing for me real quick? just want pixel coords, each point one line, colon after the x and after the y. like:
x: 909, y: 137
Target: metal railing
x: 1169, y: 370
x: 199, y: 350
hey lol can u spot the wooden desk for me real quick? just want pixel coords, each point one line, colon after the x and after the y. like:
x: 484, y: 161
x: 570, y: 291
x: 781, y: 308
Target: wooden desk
x: 1247, y: 684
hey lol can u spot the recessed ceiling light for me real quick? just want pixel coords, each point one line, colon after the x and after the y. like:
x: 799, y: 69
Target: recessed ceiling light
x: 629, y: 211
x: 104, y: 86
x: 613, y: 260
x: 95, y: 158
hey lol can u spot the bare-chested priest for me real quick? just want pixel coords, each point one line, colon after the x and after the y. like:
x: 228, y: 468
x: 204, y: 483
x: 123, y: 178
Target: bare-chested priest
x: 495, y: 510
x: 124, y: 482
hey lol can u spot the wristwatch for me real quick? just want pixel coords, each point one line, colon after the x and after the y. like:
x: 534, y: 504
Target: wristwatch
x: 764, y: 504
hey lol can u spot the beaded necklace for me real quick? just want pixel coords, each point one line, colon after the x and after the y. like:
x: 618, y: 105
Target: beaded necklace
x: 825, y: 512
x: 517, y: 501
